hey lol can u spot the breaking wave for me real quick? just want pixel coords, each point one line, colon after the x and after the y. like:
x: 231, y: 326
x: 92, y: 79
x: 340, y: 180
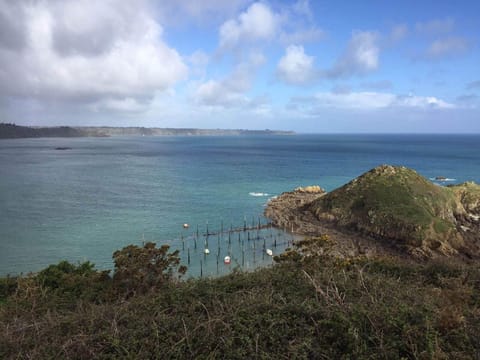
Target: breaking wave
x: 257, y: 194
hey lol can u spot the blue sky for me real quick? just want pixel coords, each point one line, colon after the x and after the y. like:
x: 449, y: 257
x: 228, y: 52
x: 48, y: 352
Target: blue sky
x: 308, y: 66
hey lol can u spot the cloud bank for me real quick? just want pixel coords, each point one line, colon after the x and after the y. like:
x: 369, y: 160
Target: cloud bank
x: 85, y: 51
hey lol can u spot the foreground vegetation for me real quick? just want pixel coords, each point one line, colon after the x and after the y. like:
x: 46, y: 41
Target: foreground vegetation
x: 309, y: 305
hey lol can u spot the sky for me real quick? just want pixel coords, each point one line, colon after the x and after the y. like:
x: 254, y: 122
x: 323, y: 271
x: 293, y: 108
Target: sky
x: 370, y: 66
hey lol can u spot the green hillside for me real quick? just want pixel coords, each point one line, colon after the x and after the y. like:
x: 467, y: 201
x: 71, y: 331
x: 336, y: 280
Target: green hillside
x: 398, y: 204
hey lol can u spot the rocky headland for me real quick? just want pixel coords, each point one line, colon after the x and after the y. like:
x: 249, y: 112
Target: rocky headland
x: 12, y: 131
x: 388, y: 210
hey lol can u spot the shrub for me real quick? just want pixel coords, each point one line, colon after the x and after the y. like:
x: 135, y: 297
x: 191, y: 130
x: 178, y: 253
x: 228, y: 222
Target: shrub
x: 141, y: 269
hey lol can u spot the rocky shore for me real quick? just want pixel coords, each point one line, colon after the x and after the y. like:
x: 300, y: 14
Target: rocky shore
x: 386, y: 211
x: 291, y: 211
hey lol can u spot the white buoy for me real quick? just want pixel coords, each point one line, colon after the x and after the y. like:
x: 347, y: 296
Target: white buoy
x: 186, y: 226
x: 269, y: 252
x: 206, y: 251
x: 227, y: 260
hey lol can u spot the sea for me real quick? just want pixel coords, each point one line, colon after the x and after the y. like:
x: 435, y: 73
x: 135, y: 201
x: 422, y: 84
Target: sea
x: 100, y: 194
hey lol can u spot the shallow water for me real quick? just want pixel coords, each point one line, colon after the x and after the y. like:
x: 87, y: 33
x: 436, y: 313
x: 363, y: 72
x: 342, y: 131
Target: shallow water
x: 105, y: 193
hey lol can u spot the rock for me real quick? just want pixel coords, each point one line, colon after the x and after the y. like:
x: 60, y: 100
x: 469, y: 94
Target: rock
x: 312, y: 189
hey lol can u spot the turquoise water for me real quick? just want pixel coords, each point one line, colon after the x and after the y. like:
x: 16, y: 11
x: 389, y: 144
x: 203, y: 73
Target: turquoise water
x: 105, y: 193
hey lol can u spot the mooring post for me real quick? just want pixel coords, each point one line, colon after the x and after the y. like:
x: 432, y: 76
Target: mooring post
x: 244, y: 223
x: 188, y: 255
x: 201, y: 268
x: 183, y: 243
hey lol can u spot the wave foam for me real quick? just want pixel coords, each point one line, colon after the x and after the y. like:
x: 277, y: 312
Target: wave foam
x: 257, y: 194
x: 443, y: 179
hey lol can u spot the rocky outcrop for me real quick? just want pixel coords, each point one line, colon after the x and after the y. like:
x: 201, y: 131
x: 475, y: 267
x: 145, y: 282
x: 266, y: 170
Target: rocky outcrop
x: 290, y: 209
x: 392, y: 206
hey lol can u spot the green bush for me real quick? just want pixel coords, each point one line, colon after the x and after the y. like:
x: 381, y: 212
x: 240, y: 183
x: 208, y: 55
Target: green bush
x: 142, y: 269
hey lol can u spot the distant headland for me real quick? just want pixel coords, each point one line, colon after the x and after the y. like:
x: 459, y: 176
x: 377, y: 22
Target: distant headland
x: 12, y: 131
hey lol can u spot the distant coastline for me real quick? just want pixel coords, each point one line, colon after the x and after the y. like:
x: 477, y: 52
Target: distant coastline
x: 12, y: 131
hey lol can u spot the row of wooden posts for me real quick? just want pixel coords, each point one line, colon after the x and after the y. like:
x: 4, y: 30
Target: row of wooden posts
x: 232, y: 232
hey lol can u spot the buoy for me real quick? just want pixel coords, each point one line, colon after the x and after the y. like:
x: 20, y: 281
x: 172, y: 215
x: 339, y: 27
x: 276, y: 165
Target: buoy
x: 269, y: 252
x: 206, y: 251
x: 186, y: 226
x: 227, y: 260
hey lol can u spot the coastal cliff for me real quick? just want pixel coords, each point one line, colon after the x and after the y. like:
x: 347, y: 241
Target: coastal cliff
x: 388, y: 209
x: 12, y: 131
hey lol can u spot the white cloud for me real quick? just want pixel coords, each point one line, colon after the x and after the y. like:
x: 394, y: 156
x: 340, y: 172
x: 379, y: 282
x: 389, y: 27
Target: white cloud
x: 231, y: 90
x: 302, y: 8
x: 376, y: 100
x: 199, y: 61
x: 449, y: 46
x: 296, y: 67
x: 89, y: 52
x: 360, y: 57
x: 258, y: 22
x: 122, y: 105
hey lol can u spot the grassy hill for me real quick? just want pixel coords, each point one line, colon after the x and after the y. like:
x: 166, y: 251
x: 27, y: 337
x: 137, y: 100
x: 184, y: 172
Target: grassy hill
x: 398, y: 204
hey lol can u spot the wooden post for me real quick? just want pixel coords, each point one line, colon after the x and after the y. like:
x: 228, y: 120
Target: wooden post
x: 201, y: 268
x: 188, y: 256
